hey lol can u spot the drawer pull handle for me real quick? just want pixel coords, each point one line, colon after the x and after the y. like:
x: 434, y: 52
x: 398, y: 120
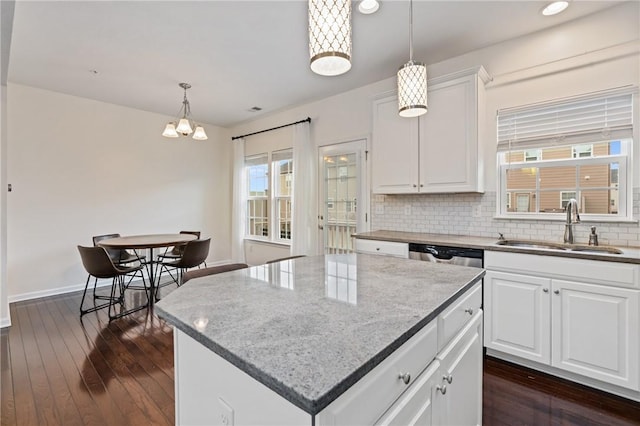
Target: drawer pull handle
x: 448, y: 378
x: 442, y: 389
x: 469, y: 311
x: 378, y: 248
x: 406, y: 378
x: 546, y: 290
x: 556, y: 291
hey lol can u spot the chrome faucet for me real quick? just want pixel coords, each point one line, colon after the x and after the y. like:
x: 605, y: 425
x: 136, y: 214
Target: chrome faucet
x: 572, y: 217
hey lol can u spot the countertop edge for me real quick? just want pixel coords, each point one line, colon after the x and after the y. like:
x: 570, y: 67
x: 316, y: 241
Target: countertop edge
x: 313, y: 407
x: 484, y: 243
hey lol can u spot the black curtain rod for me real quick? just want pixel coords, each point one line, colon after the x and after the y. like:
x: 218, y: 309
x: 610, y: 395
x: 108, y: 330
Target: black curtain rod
x: 306, y: 120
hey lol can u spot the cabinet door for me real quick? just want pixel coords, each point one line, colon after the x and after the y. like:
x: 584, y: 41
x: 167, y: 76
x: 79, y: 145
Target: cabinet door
x: 595, y: 331
x: 517, y: 315
x: 449, y: 157
x: 457, y: 398
x: 394, y: 149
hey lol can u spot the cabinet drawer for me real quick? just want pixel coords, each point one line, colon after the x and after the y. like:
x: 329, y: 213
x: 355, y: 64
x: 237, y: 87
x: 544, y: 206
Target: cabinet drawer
x: 388, y: 248
x: 370, y: 397
x: 458, y: 314
x: 415, y: 406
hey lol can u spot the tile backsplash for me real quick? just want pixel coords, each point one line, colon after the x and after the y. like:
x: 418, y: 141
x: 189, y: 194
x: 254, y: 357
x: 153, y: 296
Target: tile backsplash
x: 473, y: 214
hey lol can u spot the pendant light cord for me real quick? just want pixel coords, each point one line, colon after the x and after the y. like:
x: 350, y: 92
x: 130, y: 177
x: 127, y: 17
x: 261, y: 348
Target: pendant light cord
x: 411, y: 30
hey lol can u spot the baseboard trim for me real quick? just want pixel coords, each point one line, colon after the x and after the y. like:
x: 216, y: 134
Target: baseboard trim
x: 5, y: 322
x: 53, y: 291
x: 70, y: 289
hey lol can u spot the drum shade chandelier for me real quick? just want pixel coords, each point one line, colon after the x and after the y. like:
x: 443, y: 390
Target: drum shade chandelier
x: 330, y: 36
x: 412, y: 81
x: 185, y: 124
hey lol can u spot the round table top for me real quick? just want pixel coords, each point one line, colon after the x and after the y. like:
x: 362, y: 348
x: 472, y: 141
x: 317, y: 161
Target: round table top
x: 147, y: 241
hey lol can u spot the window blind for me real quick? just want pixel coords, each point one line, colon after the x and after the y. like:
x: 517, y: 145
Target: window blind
x: 285, y: 154
x: 578, y: 120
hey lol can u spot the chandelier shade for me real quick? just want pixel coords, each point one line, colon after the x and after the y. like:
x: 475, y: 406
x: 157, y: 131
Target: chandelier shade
x: 170, y: 131
x: 330, y: 36
x: 412, y: 81
x: 185, y: 123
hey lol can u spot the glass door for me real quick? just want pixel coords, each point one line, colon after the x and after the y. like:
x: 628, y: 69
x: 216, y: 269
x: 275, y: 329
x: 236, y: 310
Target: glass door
x: 344, y: 203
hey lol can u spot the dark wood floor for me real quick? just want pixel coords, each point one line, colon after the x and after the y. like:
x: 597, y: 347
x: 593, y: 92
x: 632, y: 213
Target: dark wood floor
x: 59, y: 370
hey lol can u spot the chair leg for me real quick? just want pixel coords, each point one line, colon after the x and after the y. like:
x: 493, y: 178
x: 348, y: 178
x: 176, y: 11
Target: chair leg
x: 137, y: 308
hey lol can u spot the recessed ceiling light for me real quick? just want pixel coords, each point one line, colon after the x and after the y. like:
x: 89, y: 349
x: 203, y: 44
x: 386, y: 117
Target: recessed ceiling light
x: 368, y: 7
x: 555, y: 8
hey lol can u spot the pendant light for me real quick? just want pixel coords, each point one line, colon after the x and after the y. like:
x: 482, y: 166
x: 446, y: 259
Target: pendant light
x: 330, y: 36
x: 412, y: 81
x: 185, y: 124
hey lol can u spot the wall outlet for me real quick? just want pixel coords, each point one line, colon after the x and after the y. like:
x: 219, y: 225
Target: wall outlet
x: 476, y: 211
x: 407, y: 209
x: 378, y: 198
x: 226, y: 413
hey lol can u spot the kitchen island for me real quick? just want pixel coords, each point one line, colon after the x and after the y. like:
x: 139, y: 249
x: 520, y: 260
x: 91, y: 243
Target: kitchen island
x: 335, y: 339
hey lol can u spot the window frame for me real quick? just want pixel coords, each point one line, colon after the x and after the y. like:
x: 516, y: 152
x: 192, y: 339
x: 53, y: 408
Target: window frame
x: 624, y: 185
x: 273, y: 220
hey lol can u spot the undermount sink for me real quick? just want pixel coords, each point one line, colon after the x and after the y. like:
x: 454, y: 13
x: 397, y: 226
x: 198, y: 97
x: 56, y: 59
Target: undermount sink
x: 558, y: 246
x: 531, y: 244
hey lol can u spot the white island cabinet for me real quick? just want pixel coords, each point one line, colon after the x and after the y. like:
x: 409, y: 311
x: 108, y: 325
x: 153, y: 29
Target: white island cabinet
x: 574, y: 318
x: 374, y: 358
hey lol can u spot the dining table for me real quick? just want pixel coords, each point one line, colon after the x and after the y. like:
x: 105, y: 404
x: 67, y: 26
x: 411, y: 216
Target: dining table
x: 148, y: 242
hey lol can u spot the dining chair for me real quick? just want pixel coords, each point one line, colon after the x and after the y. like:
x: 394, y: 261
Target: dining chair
x: 175, y: 252
x: 212, y: 270
x: 118, y: 256
x: 194, y: 254
x: 98, y: 264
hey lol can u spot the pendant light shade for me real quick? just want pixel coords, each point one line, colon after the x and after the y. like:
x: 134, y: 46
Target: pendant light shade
x: 184, y: 127
x: 412, y: 81
x: 170, y: 131
x: 412, y: 89
x: 185, y: 124
x: 330, y: 36
x: 199, y: 134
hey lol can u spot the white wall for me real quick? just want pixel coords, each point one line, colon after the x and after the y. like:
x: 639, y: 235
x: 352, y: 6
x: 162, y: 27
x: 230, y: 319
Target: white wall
x: 81, y: 168
x: 593, y: 53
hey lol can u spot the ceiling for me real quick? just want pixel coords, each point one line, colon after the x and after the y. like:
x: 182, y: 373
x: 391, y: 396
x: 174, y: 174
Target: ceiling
x: 240, y: 54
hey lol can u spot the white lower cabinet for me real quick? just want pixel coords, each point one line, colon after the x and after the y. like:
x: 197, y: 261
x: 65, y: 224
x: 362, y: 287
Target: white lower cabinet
x: 455, y: 400
x: 385, y: 248
x: 595, y: 332
x: 569, y: 322
x: 517, y: 315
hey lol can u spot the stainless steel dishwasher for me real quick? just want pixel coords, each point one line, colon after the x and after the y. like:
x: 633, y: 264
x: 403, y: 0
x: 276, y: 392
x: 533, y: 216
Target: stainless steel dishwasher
x: 446, y: 254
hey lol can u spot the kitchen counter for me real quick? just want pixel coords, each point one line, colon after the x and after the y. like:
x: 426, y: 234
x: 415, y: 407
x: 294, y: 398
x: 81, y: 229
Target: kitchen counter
x: 629, y: 254
x: 310, y: 328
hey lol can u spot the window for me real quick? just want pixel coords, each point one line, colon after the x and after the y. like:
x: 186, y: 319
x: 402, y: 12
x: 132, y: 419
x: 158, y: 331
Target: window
x: 269, y: 198
x: 258, y: 196
x: 532, y: 154
x: 541, y: 169
x: 581, y: 151
x: 565, y: 196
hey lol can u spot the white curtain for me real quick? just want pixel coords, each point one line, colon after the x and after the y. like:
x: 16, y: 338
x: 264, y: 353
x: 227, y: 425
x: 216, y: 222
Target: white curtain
x: 304, y: 230
x: 239, y: 212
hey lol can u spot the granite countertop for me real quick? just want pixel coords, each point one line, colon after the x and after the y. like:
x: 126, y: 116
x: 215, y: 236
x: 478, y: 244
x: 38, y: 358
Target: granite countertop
x: 310, y: 328
x: 629, y: 254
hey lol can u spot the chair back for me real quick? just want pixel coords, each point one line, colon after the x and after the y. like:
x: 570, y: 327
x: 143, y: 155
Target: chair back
x: 178, y: 250
x: 195, y: 253
x: 97, y: 262
x: 115, y: 254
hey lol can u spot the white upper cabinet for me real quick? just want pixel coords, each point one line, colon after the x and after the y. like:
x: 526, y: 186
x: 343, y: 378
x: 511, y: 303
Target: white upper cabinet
x: 438, y: 151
